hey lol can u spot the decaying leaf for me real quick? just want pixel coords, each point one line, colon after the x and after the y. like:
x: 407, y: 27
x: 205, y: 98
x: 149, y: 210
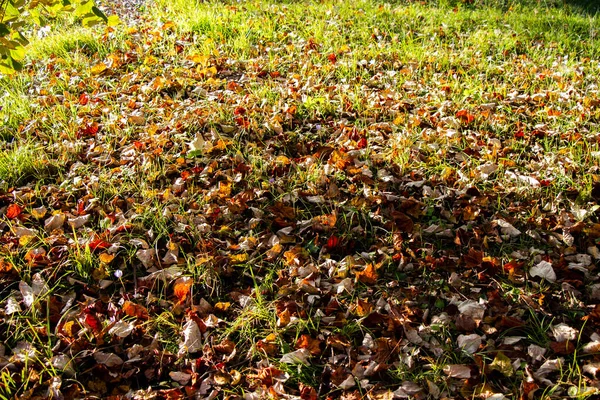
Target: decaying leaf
x: 300, y: 356
x: 458, y: 371
x: 543, y: 270
x: 192, y: 338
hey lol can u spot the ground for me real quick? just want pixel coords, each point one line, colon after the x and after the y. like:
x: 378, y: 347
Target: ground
x: 304, y: 200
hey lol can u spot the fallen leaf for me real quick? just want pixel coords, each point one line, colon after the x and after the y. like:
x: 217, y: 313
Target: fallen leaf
x: 543, y: 270
x: 368, y: 275
x: 13, y: 211
x: 108, y: 359
x: 299, y: 356
x: 457, y: 371
x: 192, y: 338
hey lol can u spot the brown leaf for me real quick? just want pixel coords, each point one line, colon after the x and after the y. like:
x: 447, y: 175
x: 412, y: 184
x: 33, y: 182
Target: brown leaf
x: 225, y: 347
x: 403, y: 222
x: 563, y: 348
x: 473, y: 258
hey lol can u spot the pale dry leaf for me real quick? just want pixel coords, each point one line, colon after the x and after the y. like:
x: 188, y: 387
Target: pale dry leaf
x: 54, y: 222
x: 24, y: 351
x: 563, y: 332
x: 180, y: 377
x: 472, y: 308
x: 108, y: 359
x: 434, y: 390
x: 549, y: 366
x: 146, y: 257
x: 469, y: 343
x: 12, y: 306
x: 459, y: 371
x: 412, y: 335
x: 591, y: 368
x: 299, y: 356
x: 27, y: 293
x: 20, y: 232
x: 192, y: 338
x: 543, y: 270
x: 407, y: 390
x: 347, y: 383
x: 591, y: 347
x: 510, y: 340
x: 39, y: 285
x: 78, y: 222
x: 121, y: 329
x: 536, y: 352
x: 486, y: 170
x: 507, y: 229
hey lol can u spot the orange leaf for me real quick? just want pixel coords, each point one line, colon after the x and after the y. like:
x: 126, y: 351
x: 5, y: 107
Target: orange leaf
x: 135, y: 310
x: 310, y: 344
x: 222, y: 306
x: 13, y: 211
x: 368, y: 275
x: 465, y: 116
x: 182, y: 288
x: 363, y: 308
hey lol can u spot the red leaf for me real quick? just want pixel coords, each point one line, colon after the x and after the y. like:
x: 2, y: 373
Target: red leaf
x: 99, y: 244
x: 465, y: 116
x: 87, y: 130
x: 362, y: 143
x: 80, y: 207
x: 13, y: 211
x: 84, y: 99
x: 332, y: 243
x: 520, y: 134
x: 93, y: 323
x: 332, y: 58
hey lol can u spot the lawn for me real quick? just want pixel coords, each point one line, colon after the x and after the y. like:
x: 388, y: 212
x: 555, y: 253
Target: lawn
x: 304, y: 199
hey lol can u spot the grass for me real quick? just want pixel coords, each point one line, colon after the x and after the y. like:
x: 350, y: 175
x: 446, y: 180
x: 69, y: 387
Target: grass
x: 355, y: 158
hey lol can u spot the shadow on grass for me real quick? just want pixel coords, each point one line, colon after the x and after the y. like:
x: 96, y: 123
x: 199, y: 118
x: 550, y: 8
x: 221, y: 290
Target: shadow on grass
x: 586, y: 6
x: 580, y: 6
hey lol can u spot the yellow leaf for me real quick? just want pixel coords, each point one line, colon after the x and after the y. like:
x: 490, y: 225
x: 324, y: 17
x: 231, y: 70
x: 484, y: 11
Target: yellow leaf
x: 238, y: 258
x: 274, y: 251
x: 182, y: 288
x: 26, y: 239
x: 200, y: 59
x: 113, y: 20
x: 224, y: 190
x: 99, y: 273
x: 99, y: 68
x: 150, y: 60
x: 222, y: 306
x: 502, y: 364
x: 38, y: 213
x: 69, y: 328
x: 283, y: 160
x: 283, y: 318
x: 106, y: 258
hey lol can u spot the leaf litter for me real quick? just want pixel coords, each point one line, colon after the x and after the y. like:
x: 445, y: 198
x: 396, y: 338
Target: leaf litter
x: 217, y: 230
